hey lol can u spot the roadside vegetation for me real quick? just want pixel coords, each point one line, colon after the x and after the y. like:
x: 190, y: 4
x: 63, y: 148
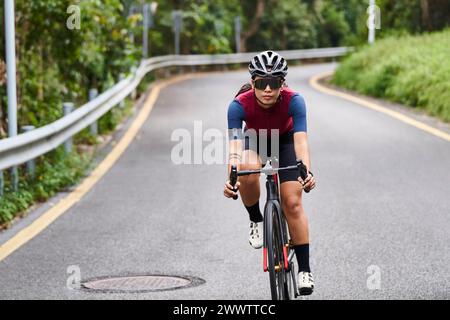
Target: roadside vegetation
x: 411, y: 70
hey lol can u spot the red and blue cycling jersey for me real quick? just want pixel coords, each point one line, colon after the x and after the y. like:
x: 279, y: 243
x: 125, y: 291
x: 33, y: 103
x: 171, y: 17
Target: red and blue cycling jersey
x: 287, y: 115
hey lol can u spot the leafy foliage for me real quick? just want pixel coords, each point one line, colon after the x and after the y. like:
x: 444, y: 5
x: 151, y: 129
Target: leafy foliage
x: 54, y: 172
x: 412, y: 70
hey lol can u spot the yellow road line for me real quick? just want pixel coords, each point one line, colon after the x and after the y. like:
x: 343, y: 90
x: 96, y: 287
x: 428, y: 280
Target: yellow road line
x: 314, y: 82
x: 28, y: 233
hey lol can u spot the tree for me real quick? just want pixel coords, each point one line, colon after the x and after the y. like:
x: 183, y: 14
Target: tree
x: 332, y: 27
x: 253, y: 21
x: 285, y: 25
x: 55, y: 63
x: 425, y: 14
x: 414, y: 16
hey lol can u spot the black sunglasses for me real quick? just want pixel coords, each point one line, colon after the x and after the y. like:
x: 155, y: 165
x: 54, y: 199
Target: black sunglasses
x: 274, y: 83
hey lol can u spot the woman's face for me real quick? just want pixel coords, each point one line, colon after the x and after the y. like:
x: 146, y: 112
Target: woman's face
x: 268, y: 96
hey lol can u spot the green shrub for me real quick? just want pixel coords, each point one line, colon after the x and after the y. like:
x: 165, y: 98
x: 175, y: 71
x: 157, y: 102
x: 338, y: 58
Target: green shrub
x: 54, y: 172
x: 412, y: 70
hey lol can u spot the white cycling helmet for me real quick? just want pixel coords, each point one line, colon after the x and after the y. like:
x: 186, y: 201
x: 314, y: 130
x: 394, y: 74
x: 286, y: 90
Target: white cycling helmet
x: 268, y: 64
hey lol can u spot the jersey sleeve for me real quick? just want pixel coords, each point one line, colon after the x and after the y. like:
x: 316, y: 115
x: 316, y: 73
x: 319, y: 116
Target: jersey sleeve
x: 236, y: 115
x: 297, y: 109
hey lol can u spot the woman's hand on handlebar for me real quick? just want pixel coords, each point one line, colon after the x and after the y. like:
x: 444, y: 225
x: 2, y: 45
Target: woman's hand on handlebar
x: 229, y: 191
x: 309, y: 183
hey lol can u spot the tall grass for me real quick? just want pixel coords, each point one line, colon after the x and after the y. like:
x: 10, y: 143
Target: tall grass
x: 411, y: 70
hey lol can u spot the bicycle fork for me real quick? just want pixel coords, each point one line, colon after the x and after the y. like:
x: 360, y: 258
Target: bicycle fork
x: 285, y: 266
x: 277, y: 268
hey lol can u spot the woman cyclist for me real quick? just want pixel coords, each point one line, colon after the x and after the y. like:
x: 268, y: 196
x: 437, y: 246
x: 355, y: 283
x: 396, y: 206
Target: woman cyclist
x: 272, y: 110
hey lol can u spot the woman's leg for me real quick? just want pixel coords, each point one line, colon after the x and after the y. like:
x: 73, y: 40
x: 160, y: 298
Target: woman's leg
x: 291, y: 200
x: 291, y: 197
x: 249, y: 189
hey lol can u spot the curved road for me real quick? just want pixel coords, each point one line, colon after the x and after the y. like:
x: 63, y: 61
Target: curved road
x: 382, y: 203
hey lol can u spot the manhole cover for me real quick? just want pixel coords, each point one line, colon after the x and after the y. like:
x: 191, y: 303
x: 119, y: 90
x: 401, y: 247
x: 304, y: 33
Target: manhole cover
x: 143, y: 283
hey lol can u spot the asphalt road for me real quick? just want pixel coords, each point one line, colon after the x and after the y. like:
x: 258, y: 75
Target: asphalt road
x: 382, y: 199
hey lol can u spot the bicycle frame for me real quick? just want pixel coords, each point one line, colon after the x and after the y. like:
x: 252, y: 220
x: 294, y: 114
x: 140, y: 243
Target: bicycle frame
x: 273, y: 201
x: 274, y: 198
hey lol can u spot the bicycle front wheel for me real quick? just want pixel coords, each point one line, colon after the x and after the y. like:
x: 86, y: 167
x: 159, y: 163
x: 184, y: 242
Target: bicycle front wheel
x: 274, y: 247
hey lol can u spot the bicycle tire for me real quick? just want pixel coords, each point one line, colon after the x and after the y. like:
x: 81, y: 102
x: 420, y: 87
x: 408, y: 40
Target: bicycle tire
x: 290, y: 284
x: 274, y: 252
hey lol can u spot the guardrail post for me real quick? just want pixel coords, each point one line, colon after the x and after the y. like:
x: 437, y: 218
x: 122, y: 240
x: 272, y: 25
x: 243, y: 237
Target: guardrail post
x: 2, y: 184
x: 177, y: 16
x: 122, y: 103
x: 14, y: 178
x: 67, y: 109
x: 134, y: 92
x: 93, y: 93
x: 31, y: 166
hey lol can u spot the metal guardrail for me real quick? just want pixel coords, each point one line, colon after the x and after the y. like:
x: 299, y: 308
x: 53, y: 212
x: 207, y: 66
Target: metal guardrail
x: 29, y: 145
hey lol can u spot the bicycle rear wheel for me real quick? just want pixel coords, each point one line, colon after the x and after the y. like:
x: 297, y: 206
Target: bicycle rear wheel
x: 291, y: 282
x: 274, y: 247
x: 290, y: 278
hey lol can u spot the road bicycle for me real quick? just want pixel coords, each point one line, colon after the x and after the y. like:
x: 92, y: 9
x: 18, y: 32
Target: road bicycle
x: 278, y: 253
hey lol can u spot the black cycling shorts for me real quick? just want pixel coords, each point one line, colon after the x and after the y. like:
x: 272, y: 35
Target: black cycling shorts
x: 286, y: 154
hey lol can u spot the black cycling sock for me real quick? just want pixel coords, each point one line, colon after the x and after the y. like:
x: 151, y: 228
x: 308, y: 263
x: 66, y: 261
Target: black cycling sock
x: 254, y: 212
x: 302, y: 254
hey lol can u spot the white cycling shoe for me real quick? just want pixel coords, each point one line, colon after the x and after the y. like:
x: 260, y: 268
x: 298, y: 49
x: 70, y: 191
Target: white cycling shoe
x: 255, y: 237
x: 305, y: 283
